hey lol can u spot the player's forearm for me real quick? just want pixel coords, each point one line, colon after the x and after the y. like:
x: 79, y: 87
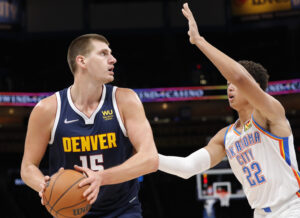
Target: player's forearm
x: 32, y: 177
x: 138, y: 165
x: 185, y: 167
x: 229, y: 68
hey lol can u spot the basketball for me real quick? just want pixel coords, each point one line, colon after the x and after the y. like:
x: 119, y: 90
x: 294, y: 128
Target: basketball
x: 63, y: 197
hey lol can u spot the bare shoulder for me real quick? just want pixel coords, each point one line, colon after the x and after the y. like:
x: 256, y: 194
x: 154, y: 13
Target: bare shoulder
x: 219, y: 136
x: 46, y: 108
x: 129, y: 105
x: 127, y: 97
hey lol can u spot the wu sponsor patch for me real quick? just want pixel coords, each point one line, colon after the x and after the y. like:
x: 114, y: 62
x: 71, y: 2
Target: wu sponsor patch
x: 107, y: 114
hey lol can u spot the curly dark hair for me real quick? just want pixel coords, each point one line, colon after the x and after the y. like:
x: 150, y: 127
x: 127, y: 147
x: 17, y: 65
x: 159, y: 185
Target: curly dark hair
x: 257, y: 71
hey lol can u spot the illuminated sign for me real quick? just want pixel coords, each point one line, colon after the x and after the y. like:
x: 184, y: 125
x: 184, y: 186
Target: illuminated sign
x: 249, y: 7
x: 182, y: 93
x: 160, y: 94
x: 21, y: 98
x: 284, y: 87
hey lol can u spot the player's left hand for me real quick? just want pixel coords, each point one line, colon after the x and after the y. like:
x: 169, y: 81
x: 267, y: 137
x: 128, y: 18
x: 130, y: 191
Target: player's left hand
x: 94, y: 180
x: 193, y: 28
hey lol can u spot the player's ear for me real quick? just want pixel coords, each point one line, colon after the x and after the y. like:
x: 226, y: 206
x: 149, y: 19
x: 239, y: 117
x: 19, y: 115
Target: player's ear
x: 80, y: 61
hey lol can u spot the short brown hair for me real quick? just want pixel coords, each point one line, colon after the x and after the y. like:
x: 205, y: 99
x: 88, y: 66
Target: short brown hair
x: 82, y: 46
x: 257, y: 71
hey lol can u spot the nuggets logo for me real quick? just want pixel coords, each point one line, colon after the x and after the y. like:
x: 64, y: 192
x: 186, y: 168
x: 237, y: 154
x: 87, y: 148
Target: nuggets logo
x: 247, y: 125
x: 108, y: 114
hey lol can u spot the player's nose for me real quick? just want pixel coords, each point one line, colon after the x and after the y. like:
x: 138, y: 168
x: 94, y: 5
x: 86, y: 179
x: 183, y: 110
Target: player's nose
x: 112, y: 60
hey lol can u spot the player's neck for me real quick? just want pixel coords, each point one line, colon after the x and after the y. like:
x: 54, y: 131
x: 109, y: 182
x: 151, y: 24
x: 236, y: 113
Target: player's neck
x: 86, y: 94
x: 245, y: 114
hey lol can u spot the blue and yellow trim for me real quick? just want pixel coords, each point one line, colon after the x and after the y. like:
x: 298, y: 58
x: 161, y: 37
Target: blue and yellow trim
x: 282, y: 141
x: 236, y: 131
x: 283, y: 147
x: 297, y: 175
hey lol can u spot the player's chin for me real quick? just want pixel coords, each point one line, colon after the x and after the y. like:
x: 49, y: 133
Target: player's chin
x: 232, y: 105
x: 109, y: 79
x: 235, y: 106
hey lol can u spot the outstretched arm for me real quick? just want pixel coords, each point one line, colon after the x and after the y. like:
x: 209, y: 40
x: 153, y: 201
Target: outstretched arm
x: 197, y: 162
x: 235, y: 73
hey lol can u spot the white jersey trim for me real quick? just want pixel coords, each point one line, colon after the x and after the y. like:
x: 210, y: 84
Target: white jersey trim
x: 117, y: 111
x: 86, y: 119
x: 56, y: 118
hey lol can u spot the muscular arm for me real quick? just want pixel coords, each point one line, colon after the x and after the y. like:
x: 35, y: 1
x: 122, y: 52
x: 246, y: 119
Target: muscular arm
x: 37, y: 138
x: 197, y: 162
x: 266, y: 107
x: 145, y: 160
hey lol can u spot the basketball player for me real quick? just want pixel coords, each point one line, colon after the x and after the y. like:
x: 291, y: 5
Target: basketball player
x: 100, y: 129
x: 259, y: 145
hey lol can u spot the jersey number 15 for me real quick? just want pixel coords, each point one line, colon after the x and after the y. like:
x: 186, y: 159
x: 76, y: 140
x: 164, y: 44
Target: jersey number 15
x: 95, y: 162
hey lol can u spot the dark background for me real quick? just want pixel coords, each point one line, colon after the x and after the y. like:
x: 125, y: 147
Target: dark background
x: 149, y: 40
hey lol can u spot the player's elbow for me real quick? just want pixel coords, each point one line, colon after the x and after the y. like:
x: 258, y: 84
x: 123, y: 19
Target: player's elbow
x: 23, y: 173
x: 186, y: 176
x: 240, y: 76
x: 189, y: 169
x: 188, y: 173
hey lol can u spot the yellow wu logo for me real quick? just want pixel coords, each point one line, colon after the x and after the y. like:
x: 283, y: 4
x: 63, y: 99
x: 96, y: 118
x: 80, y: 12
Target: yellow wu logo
x: 107, y: 114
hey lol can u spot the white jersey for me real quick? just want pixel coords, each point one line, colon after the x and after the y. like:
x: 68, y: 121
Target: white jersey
x: 265, y: 164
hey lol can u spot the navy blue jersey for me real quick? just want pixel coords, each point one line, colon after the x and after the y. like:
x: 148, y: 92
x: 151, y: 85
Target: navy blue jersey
x: 97, y: 142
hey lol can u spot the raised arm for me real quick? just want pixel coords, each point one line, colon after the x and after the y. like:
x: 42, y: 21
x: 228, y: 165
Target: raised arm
x: 37, y: 138
x: 235, y: 73
x: 197, y: 162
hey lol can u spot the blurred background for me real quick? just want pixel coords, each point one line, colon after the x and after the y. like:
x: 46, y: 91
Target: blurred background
x: 149, y: 40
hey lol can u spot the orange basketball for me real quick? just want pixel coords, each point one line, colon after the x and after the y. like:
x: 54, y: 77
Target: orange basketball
x: 63, y: 197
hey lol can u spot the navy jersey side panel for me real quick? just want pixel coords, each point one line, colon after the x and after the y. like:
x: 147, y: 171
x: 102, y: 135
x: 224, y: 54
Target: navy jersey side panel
x: 97, y: 143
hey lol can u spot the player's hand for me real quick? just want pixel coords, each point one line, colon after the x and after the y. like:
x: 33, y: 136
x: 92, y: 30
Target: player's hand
x: 94, y: 179
x: 44, y: 185
x: 193, y: 28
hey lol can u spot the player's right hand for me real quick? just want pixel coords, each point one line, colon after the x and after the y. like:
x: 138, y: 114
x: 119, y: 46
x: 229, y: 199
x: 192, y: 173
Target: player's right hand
x: 193, y: 28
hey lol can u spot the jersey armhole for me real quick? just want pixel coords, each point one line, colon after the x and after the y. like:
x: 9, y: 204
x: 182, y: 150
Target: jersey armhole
x: 56, y: 118
x: 227, y: 130
x: 117, y: 111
